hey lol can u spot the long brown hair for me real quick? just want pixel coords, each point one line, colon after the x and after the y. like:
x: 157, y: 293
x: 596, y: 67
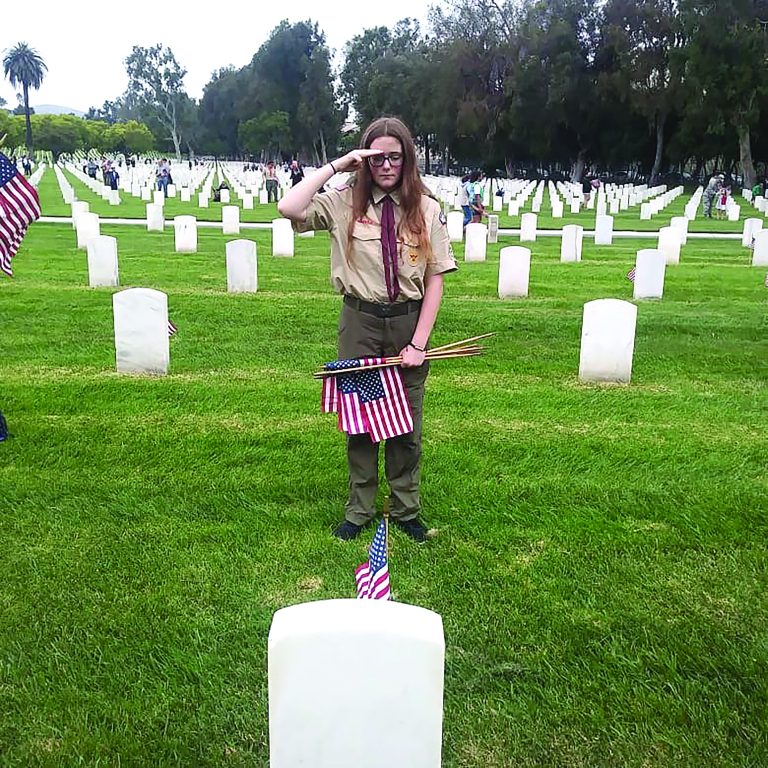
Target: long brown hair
x: 411, y: 186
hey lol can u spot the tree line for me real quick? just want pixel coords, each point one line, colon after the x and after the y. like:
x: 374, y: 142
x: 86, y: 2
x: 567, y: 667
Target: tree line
x: 637, y: 87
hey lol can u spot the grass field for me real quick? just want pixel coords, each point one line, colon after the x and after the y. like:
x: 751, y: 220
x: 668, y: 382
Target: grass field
x: 133, y: 208
x: 600, y: 559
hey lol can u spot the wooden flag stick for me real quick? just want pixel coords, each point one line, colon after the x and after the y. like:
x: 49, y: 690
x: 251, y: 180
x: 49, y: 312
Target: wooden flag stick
x: 386, y: 525
x: 3, y: 138
x: 459, y: 343
x: 391, y: 361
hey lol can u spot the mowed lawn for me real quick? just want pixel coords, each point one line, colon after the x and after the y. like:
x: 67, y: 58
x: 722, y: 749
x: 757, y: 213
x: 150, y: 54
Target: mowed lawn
x: 600, y: 552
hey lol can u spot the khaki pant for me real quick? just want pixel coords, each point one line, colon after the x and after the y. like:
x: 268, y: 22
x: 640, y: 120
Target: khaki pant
x: 364, y: 335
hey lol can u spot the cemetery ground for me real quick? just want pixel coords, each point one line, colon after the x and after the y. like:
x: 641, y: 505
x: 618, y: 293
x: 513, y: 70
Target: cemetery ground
x: 134, y: 208
x: 599, y: 563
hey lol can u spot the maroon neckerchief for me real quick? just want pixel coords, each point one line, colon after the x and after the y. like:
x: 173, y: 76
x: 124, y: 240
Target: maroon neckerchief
x: 389, y: 247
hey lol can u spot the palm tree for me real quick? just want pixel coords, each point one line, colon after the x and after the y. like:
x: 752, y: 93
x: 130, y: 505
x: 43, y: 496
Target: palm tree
x: 24, y: 66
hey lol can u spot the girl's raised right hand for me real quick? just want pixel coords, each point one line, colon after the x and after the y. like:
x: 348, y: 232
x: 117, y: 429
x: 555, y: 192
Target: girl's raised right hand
x: 354, y: 160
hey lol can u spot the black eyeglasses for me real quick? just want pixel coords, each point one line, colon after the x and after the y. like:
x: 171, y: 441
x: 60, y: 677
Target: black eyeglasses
x: 395, y: 159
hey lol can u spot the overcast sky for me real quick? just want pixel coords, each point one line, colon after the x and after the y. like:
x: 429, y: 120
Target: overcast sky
x: 84, y: 42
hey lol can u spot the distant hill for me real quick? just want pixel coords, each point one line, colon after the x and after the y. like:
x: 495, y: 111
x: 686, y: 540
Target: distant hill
x: 55, y: 109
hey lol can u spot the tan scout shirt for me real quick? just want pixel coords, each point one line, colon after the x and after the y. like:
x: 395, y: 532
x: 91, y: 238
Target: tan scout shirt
x: 363, y: 275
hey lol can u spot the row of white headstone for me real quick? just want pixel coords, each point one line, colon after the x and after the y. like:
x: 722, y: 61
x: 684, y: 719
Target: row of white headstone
x: 515, y: 270
x: 142, y: 339
x: 87, y: 225
x: 241, y: 262
x: 670, y: 239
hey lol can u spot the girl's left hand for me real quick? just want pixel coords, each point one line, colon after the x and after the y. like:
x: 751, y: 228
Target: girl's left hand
x: 412, y: 358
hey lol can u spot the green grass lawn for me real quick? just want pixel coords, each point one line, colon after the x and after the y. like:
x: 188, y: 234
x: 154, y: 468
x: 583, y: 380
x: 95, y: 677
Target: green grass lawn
x: 600, y: 562
x: 133, y: 208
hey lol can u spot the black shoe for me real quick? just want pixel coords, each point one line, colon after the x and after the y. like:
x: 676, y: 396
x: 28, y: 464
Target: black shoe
x: 347, y: 531
x: 412, y: 528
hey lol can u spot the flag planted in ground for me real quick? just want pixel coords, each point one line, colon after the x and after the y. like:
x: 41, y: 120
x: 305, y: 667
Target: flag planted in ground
x: 367, y: 400
x: 372, y: 577
x: 172, y: 329
x: 19, y: 207
x: 631, y: 275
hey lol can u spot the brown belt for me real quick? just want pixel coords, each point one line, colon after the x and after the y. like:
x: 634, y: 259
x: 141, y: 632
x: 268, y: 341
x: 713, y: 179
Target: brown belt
x: 383, y: 310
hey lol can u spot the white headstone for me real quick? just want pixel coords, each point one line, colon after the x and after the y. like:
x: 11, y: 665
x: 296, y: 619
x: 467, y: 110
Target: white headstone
x: 263, y: 197
x: 734, y: 212
x: 528, y: 228
x: 645, y: 212
x: 575, y: 205
x: 498, y: 203
x: 493, y: 229
x: 242, y: 267
x: 669, y: 244
x: 185, y: 231
x: 78, y: 207
x: 607, y: 340
x: 158, y: 198
x: 760, y: 254
x: 230, y: 219
x: 87, y: 227
x: 146, y: 194
x: 514, y: 271
x: 393, y: 656
x: 456, y: 226
x: 185, y: 195
x: 202, y: 200
x: 751, y: 228
x: 570, y: 245
x: 650, y: 267
x: 476, y: 242
x: 603, y: 230
x: 102, y: 261
x: 155, y: 218
x: 282, y: 238
x: 680, y: 223
x: 224, y: 196
x: 141, y: 331
x: 247, y: 202
x: 171, y: 190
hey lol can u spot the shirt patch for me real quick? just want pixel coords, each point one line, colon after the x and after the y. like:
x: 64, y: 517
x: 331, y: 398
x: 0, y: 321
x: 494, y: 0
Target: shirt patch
x: 443, y: 219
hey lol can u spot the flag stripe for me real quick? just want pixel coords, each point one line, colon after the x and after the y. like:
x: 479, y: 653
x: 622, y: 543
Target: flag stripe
x: 372, y: 577
x: 372, y: 401
x: 19, y: 207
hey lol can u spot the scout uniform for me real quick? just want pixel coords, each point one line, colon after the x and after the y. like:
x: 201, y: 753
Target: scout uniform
x: 382, y: 301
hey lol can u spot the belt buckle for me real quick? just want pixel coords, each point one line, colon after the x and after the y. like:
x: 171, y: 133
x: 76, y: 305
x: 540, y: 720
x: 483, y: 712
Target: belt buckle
x: 386, y: 310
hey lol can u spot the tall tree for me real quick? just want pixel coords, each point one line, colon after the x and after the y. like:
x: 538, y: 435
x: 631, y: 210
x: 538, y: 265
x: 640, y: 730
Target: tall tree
x: 156, y: 89
x: 645, y: 41
x: 291, y: 73
x: 25, y: 67
x: 218, y: 113
x: 726, y: 57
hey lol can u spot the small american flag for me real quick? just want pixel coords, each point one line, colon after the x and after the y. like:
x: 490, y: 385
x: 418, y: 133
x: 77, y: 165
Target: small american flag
x: 766, y: 280
x: 631, y: 275
x: 372, y: 578
x: 19, y: 207
x: 172, y: 328
x: 368, y: 400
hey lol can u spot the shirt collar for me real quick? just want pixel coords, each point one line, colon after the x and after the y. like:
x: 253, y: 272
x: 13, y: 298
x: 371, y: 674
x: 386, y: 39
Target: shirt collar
x: 379, y: 194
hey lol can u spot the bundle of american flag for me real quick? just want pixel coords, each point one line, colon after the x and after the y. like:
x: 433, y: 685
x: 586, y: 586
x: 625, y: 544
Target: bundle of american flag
x: 372, y: 577
x: 368, y: 393
x: 19, y: 207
